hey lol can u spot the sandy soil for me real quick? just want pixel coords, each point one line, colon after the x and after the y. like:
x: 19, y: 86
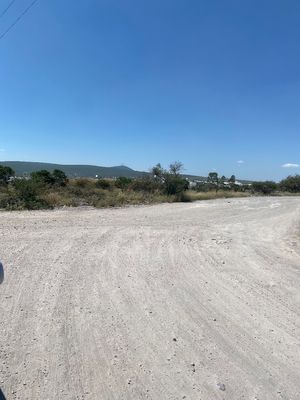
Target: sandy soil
x: 177, y: 301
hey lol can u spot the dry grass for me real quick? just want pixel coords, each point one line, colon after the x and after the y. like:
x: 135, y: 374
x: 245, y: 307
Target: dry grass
x: 191, y: 195
x: 88, y: 192
x: 117, y: 198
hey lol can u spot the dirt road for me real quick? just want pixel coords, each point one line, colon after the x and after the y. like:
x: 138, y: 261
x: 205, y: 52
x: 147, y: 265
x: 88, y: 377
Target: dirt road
x: 176, y: 301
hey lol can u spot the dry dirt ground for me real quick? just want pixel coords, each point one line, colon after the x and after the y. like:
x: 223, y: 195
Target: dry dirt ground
x: 175, y: 301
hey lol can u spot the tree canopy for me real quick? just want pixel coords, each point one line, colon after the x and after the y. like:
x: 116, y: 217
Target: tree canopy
x: 6, y: 173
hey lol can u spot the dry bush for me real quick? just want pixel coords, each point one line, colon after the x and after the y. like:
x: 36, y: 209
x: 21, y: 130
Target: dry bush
x: 54, y: 199
x: 221, y: 194
x: 104, y: 184
x: 59, y: 199
x: 82, y: 183
x: 119, y: 198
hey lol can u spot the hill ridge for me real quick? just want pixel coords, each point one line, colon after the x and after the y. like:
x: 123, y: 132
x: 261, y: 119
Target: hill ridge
x: 22, y: 168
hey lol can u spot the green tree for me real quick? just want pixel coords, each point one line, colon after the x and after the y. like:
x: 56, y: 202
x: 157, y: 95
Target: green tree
x: 157, y: 172
x: 223, y: 179
x: 266, y: 187
x: 291, y: 184
x: 6, y: 173
x: 59, y: 177
x: 213, y: 177
x: 175, y: 184
x: 232, y: 179
x: 175, y: 168
x: 170, y: 182
x: 43, y: 177
x: 213, y: 181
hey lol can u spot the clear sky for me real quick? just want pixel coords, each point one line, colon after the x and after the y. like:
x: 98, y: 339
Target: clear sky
x: 214, y: 84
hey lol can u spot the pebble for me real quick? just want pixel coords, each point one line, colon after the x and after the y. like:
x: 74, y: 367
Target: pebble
x: 221, y: 386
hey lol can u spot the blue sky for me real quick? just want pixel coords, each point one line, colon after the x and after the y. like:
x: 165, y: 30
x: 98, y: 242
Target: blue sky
x: 109, y: 82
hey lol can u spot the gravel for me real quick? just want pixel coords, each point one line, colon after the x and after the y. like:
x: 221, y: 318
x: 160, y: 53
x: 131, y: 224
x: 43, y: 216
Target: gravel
x: 80, y: 285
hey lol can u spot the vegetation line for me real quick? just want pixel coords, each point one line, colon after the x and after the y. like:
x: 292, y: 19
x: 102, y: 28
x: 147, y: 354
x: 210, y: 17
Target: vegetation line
x: 45, y: 189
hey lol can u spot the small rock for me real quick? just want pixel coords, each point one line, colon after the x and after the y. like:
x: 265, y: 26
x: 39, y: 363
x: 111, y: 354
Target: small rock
x: 221, y: 386
x: 174, y: 339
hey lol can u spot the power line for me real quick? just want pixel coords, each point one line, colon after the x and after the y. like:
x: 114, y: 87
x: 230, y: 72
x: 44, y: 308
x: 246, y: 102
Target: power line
x: 18, y: 19
x: 7, y: 8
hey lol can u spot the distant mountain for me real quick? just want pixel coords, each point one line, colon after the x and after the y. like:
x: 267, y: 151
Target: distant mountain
x: 23, y: 168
